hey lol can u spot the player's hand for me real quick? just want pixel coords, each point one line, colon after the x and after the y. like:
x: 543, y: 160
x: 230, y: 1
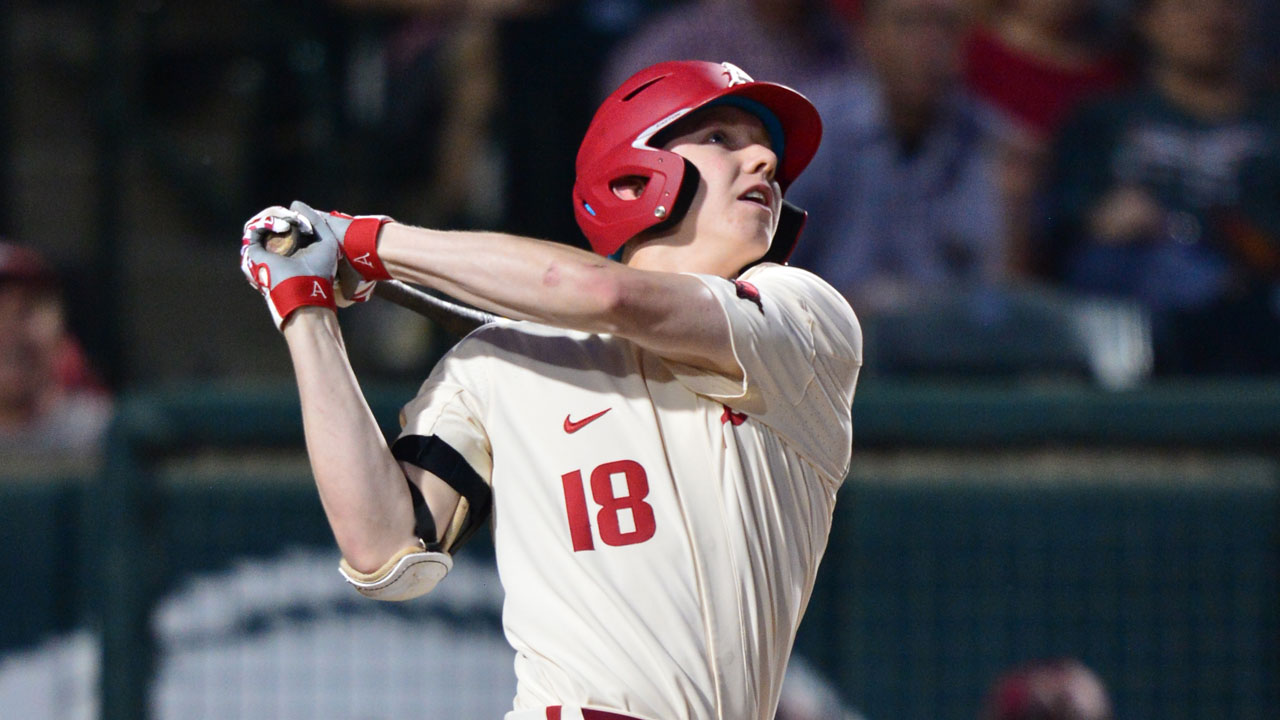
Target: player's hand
x: 288, y: 283
x: 357, y: 236
x: 351, y: 288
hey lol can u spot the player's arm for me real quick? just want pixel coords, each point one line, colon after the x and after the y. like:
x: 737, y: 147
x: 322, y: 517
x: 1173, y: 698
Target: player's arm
x: 672, y: 314
x: 366, y: 493
x: 384, y: 513
x: 362, y: 487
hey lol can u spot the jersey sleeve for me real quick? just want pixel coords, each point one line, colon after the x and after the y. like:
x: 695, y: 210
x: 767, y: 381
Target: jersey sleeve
x: 799, y: 346
x: 442, y: 427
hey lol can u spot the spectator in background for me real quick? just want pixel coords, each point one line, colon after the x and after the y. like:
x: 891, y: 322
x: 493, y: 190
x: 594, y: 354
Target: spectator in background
x: 902, y: 197
x: 1057, y: 690
x: 788, y: 41
x: 50, y: 404
x: 1167, y: 194
x: 1034, y: 61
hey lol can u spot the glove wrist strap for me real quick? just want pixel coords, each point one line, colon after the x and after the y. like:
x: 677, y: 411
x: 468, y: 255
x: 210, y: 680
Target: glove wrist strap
x: 360, y: 246
x: 300, y: 291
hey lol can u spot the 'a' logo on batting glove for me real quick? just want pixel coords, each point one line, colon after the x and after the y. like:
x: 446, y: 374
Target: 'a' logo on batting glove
x: 288, y: 283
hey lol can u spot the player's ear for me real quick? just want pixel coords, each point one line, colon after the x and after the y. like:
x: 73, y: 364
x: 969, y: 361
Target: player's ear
x: 629, y: 187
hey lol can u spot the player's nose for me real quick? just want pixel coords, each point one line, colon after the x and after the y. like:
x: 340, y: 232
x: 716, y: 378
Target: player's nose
x: 759, y: 158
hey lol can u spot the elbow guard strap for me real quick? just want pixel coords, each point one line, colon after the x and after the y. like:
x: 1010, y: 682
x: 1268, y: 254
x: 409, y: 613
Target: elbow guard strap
x: 410, y: 573
x: 475, y: 504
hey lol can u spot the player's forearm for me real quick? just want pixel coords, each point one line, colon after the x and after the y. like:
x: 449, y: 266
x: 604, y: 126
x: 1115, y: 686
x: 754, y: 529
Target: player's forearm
x: 517, y: 277
x: 361, y: 486
x: 671, y: 314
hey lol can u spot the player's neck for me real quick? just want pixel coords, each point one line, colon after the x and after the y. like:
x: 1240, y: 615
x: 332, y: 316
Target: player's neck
x: 686, y: 258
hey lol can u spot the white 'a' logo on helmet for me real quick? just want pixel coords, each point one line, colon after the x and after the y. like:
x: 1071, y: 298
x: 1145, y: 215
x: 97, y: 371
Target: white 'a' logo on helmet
x: 737, y: 76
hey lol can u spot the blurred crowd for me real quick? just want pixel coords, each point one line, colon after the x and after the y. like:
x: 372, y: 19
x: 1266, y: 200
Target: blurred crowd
x: 1041, y: 188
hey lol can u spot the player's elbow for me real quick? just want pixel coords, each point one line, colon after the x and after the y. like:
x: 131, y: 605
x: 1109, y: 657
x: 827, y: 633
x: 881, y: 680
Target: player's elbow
x: 628, y: 303
x: 366, y: 558
x: 612, y: 298
x: 368, y: 554
x: 599, y: 295
x: 411, y: 572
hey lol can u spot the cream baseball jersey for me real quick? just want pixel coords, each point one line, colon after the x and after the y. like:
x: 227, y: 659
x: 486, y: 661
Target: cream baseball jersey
x: 657, y: 528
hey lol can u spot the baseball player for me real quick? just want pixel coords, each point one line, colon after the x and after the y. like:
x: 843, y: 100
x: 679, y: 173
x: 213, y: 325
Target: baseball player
x: 657, y: 440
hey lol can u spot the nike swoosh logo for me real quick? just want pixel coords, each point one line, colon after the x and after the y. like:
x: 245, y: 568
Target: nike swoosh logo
x: 571, y: 426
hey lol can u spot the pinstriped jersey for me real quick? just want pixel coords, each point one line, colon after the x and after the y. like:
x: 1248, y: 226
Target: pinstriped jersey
x: 657, y: 527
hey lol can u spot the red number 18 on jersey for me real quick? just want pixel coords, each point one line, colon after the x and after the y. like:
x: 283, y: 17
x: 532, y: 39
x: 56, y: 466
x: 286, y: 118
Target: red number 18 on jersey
x: 609, y: 518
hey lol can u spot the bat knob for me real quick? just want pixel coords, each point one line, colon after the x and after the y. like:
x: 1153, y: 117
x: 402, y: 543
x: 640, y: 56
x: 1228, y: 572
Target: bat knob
x: 285, y: 243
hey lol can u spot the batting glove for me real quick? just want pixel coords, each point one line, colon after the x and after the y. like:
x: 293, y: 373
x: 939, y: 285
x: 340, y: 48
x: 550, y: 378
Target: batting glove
x: 288, y: 283
x: 357, y: 235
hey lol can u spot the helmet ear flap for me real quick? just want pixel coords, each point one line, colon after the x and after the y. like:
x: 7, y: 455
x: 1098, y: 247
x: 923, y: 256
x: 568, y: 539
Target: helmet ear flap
x: 684, y: 198
x: 609, y: 220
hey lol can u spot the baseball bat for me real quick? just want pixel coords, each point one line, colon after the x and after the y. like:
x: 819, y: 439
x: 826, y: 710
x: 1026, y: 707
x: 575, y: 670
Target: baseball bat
x: 455, y: 318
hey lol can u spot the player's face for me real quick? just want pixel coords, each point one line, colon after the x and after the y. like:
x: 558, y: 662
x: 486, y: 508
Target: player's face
x: 736, y: 207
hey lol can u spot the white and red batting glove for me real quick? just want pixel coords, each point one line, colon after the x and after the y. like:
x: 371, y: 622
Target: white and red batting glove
x: 357, y: 235
x: 288, y: 283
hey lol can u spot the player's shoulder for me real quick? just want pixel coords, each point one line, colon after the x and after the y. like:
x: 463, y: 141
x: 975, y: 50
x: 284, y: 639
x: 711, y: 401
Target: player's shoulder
x: 806, y: 292
x: 795, y: 281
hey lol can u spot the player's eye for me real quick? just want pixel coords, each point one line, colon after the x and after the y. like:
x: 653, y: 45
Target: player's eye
x: 718, y: 137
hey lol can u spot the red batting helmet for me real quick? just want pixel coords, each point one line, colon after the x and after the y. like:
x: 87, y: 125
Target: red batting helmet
x: 617, y: 146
